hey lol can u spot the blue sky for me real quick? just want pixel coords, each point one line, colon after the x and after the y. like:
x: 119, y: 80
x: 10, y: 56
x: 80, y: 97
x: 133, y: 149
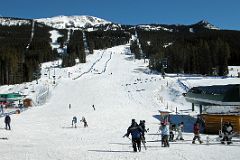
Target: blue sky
x: 222, y: 13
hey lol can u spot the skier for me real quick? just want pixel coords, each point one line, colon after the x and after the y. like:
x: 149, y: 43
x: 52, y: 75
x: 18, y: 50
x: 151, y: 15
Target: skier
x: 196, y: 131
x: 135, y: 130
x: 171, y: 134
x: 2, y: 109
x: 93, y: 107
x: 74, y: 121
x: 180, y: 130
x: 227, y: 133
x: 84, y: 122
x: 201, y: 122
x: 165, y: 133
x: 142, y: 125
x: 7, y: 122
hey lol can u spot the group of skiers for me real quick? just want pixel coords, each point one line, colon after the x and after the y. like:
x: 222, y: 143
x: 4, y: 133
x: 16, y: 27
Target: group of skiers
x: 179, y: 130
x: 74, y: 122
x: 137, y: 132
x: 167, y: 130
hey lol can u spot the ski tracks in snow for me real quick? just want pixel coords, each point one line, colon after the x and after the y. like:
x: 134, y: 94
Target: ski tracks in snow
x: 180, y: 155
x: 32, y: 34
x: 99, y: 66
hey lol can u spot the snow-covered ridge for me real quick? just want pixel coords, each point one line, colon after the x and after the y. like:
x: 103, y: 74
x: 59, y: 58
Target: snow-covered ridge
x: 13, y: 22
x: 92, y: 23
x: 62, y: 22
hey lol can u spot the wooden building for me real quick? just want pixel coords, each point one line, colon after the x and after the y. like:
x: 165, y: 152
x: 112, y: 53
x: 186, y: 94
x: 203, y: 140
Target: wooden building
x: 214, y: 122
x: 27, y: 102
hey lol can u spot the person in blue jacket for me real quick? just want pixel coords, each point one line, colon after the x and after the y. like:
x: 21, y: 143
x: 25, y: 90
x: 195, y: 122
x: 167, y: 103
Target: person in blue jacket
x: 74, y: 121
x: 135, y: 130
x: 165, y: 134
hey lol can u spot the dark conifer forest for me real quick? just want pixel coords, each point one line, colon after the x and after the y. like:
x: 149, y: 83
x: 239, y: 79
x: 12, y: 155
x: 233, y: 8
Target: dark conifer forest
x: 204, y: 51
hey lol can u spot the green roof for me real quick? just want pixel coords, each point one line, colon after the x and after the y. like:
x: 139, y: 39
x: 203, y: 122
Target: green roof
x: 11, y: 96
x: 215, y: 95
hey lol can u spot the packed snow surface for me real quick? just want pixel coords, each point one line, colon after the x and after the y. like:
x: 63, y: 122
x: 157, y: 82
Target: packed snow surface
x: 120, y: 88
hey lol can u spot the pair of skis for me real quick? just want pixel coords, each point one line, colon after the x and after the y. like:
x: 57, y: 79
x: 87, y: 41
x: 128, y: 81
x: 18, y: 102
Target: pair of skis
x: 144, y: 143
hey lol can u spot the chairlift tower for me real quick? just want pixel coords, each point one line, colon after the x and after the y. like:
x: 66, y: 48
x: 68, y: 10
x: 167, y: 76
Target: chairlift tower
x: 164, y: 66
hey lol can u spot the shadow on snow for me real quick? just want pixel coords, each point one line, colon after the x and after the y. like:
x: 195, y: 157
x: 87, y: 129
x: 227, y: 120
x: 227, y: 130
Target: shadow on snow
x: 107, y: 151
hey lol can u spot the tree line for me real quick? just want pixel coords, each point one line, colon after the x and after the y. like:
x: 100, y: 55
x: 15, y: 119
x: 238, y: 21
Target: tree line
x: 21, y: 56
x: 20, y: 62
x: 205, y: 51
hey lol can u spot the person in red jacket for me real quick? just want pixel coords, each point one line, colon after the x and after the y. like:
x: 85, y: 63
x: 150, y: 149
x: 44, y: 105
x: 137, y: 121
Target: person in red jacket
x: 196, y: 131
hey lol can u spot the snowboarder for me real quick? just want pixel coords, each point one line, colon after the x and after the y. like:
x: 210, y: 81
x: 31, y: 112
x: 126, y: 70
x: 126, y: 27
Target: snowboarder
x: 84, y: 122
x: 227, y: 133
x: 180, y: 130
x: 196, y: 131
x: 135, y: 130
x: 74, y: 121
x: 7, y: 122
x: 69, y: 106
x: 165, y: 133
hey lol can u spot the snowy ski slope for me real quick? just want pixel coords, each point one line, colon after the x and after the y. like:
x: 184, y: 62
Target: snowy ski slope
x: 121, y: 88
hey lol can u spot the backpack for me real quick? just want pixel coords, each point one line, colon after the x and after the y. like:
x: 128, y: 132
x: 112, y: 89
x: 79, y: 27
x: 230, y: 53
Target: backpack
x: 75, y: 119
x: 136, y: 133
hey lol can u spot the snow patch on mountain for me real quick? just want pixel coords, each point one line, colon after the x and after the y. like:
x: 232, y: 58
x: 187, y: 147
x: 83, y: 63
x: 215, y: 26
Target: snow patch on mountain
x: 62, y: 22
x: 191, y: 30
x: 208, y: 25
x: 154, y: 28
x: 13, y: 22
x: 167, y: 44
x: 54, y: 36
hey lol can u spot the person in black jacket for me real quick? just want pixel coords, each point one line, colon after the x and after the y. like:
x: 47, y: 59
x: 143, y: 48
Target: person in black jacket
x: 227, y: 133
x: 142, y: 124
x: 7, y: 122
x: 74, y: 121
x: 135, y: 130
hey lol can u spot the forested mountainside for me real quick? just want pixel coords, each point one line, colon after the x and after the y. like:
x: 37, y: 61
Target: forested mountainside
x: 24, y: 46
x: 200, y: 48
x: 189, y: 49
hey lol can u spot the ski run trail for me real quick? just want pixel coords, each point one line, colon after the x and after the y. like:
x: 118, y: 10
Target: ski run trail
x: 121, y: 88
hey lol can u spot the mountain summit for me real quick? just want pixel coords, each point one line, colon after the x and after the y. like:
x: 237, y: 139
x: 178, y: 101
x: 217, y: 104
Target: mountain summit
x: 62, y: 22
x: 207, y: 25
